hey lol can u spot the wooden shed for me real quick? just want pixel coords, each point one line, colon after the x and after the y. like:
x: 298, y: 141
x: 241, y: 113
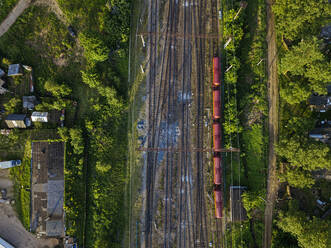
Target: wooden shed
x: 237, y: 210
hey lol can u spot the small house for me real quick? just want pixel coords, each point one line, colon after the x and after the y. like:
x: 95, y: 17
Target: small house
x: 15, y: 70
x: 237, y: 210
x: 17, y: 121
x: 39, y: 117
x: 320, y: 103
x: 29, y: 102
x: 322, y: 134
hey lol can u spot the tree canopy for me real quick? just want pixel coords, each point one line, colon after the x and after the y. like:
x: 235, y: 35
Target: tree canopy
x: 297, y: 18
x: 94, y: 48
x: 309, y: 233
x: 307, y: 71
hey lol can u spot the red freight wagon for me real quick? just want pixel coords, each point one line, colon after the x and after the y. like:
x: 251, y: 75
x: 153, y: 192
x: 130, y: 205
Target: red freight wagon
x: 217, y: 170
x: 216, y: 71
x: 218, y: 196
x: 217, y: 136
x: 216, y: 103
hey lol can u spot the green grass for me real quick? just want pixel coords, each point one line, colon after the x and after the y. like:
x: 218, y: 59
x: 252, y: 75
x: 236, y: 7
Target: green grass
x: 254, y: 143
x: 21, y: 177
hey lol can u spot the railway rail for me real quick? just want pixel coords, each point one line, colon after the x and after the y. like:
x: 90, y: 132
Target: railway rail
x: 176, y: 212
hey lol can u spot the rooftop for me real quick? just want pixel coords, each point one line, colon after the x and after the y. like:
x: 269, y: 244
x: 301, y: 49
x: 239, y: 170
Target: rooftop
x: 16, y: 117
x: 15, y: 70
x: 238, y: 212
x: 47, y: 189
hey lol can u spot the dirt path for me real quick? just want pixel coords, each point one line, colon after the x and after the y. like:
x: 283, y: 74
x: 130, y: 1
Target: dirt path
x: 23, y: 5
x: 12, y: 231
x: 273, y: 97
x: 13, y: 15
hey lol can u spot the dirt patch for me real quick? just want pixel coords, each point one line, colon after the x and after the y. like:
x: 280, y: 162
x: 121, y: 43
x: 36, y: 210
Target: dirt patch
x: 273, y: 98
x: 54, y: 7
x: 13, y: 231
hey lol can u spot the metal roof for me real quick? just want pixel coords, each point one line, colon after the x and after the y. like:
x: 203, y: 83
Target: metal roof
x: 238, y: 212
x: 4, y: 244
x: 15, y: 117
x: 15, y: 69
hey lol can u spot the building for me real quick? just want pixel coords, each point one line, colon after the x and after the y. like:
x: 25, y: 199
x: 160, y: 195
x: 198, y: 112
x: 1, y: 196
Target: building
x: 47, y: 189
x: 39, y: 117
x: 322, y: 134
x: 10, y: 164
x: 5, y: 244
x: 29, y: 102
x: 17, y: 121
x: 15, y: 70
x: 237, y: 210
x: 321, y: 103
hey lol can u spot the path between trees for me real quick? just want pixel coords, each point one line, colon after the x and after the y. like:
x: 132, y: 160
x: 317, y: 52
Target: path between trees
x: 273, y: 98
x: 13, y: 15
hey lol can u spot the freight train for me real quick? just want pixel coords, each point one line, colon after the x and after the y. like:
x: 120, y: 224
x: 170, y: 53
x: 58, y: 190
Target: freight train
x: 217, y: 137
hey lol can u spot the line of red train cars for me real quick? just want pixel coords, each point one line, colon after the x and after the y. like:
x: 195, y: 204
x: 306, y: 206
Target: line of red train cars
x: 217, y: 136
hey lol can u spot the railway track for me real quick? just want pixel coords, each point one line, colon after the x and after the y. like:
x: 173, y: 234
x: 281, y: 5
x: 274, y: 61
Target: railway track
x: 176, y: 67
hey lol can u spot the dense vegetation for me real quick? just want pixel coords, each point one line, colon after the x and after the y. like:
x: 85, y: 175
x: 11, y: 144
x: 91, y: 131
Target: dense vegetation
x: 304, y: 62
x: 87, y: 76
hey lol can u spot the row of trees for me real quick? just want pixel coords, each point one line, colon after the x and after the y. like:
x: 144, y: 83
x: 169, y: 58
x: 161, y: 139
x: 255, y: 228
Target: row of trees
x: 103, y: 31
x: 304, y: 69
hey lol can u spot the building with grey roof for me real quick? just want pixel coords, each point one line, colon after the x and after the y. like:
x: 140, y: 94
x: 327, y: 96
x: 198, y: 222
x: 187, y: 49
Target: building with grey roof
x: 17, y: 121
x: 29, y: 102
x: 47, y: 189
x: 15, y: 70
x: 237, y: 210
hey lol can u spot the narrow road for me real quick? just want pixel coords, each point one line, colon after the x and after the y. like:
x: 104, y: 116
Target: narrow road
x: 273, y: 98
x: 13, y: 15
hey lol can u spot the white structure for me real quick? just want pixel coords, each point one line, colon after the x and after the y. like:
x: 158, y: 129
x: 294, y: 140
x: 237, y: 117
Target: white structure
x: 4, y: 244
x: 9, y: 164
x: 39, y: 116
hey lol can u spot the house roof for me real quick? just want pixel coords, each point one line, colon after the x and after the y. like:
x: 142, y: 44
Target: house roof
x: 15, y: 117
x: 318, y: 100
x: 238, y: 212
x: 329, y: 88
x: 15, y: 69
x: 29, y: 102
x: 5, y: 244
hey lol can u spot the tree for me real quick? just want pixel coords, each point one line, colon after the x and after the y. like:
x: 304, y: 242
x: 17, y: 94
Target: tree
x: 309, y: 233
x: 253, y: 200
x: 308, y: 155
x: 91, y: 78
x: 57, y: 90
x: 302, y: 156
x: 306, y: 70
x: 12, y: 105
x: 94, y: 48
x: 77, y: 141
x: 297, y: 18
x: 297, y: 177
